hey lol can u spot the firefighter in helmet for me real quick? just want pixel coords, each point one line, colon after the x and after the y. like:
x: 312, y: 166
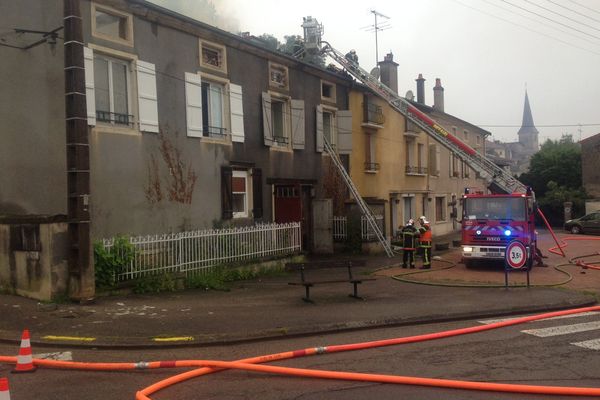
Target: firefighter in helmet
x: 410, y: 235
x: 425, y: 241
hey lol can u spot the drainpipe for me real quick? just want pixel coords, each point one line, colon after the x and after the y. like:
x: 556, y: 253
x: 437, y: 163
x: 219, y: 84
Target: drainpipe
x: 81, y: 270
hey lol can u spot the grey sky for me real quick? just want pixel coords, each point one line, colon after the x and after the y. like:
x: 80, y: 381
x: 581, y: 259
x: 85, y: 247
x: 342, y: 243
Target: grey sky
x: 484, y: 58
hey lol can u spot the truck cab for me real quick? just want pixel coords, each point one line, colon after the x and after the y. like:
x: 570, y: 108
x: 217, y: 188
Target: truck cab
x: 491, y: 221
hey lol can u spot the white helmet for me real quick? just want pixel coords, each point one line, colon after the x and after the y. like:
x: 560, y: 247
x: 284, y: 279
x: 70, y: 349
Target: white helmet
x: 423, y: 220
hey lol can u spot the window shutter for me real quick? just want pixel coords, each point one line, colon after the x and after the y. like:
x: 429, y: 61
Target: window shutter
x: 267, y: 122
x: 90, y: 94
x: 237, y: 113
x: 147, y: 98
x: 319, y: 129
x: 193, y: 104
x: 226, y: 193
x: 257, y: 210
x: 298, y: 125
x: 344, y: 126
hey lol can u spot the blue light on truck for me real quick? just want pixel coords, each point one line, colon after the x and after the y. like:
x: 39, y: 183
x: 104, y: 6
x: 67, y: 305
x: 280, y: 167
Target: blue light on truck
x: 507, y: 232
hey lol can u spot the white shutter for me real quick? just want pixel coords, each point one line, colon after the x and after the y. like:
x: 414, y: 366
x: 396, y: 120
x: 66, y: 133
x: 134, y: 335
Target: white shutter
x: 237, y: 113
x: 319, y: 129
x: 147, y: 98
x: 267, y: 120
x: 90, y: 94
x: 298, y: 125
x: 193, y: 104
x: 344, y: 126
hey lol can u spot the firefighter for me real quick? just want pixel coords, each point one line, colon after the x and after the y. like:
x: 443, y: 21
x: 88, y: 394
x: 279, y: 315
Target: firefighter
x: 351, y: 56
x: 410, y: 235
x: 425, y: 241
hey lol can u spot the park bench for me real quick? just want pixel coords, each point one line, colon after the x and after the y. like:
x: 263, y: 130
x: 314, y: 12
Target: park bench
x: 337, y: 272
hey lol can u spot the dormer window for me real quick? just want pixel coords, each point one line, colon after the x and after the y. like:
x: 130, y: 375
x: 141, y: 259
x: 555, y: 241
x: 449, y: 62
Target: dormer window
x: 213, y: 56
x: 111, y: 24
x: 278, y: 76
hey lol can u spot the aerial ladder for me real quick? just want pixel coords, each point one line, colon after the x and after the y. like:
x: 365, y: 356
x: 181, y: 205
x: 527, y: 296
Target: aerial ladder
x: 499, y: 180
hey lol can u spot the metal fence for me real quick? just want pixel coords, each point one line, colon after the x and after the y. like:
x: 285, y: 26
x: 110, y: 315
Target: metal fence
x: 200, y: 251
x: 340, y: 228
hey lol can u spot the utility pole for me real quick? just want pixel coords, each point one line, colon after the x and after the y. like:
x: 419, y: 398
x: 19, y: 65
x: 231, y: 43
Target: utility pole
x: 376, y: 27
x: 81, y: 269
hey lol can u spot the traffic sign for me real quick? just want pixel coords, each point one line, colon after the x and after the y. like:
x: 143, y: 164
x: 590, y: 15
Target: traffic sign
x: 516, y: 255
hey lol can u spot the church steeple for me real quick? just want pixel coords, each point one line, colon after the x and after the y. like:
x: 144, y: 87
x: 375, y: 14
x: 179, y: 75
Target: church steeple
x: 528, y: 134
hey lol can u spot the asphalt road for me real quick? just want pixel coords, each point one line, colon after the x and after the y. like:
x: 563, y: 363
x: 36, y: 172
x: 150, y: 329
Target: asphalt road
x: 506, y: 355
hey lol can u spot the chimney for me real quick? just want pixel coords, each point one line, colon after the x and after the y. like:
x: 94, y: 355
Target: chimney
x: 420, y: 89
x: 389, y: 72
x: 438, y: 95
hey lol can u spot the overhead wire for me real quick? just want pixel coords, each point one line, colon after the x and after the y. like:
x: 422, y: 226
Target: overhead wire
x: 527, y: 28
x: 562, y: 15
x: 584, y: 6
x: 572, y: 10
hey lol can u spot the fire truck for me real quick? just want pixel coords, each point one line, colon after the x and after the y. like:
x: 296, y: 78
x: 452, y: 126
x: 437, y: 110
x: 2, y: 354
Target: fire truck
x: 491, y: 221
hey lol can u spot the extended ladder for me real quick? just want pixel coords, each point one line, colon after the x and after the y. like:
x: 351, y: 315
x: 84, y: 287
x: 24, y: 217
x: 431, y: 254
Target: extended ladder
x: 499, y: 179
x: 359, y: 200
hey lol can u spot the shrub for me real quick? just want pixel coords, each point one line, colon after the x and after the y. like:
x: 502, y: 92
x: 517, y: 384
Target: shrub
x: 109, y: 263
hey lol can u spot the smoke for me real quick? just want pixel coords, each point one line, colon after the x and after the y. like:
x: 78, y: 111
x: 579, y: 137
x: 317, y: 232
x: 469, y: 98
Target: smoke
x: 219, y: 13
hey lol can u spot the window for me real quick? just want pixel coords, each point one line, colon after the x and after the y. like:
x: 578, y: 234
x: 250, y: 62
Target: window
x: 466, y: 134
x: 278, y: 76
x: 278, y: 119
x: 328, y: 91
x: 434, y: 160
x: 371, y: 164
x: 239, y: 190
x: 421, y: 169
x: 453, y: 168
x: 213, y: 56
x: 409, y: 155
x: 212, y: 110
x: 112, y: 90
x: 477, y: 139
x: 113, y: 25
x: 408, y: 208
x: 329, y: 127
x: 440, y: 208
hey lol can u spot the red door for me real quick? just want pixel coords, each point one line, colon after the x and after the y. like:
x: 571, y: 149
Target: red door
x: 288, y: 203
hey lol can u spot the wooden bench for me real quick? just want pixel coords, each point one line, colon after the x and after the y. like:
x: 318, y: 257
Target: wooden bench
x: 308, y: 278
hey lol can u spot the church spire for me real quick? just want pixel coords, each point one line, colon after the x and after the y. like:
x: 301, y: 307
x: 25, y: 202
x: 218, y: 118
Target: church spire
x: 528, y: 134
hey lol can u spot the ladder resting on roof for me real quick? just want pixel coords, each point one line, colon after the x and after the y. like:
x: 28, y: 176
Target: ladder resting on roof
x: 499, y: 180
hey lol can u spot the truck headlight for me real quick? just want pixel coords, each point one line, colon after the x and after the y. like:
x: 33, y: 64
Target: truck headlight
x: 467, y: 249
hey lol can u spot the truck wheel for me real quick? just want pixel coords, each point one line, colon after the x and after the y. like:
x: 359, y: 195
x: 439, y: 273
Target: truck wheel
x: 575, y: 230
x: 469, y: 263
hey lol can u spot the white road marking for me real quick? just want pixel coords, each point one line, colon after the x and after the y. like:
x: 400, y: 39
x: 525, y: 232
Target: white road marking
x: 59, y: 356
x: 589, y: 344
x: 585, y: 314
x: 564, y: 329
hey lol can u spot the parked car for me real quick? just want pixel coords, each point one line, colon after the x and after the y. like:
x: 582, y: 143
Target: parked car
x: 589, y: 223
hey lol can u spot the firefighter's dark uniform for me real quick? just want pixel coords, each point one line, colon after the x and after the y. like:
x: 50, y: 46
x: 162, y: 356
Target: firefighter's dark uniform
x: 409, y: 235
x: 425, y: 242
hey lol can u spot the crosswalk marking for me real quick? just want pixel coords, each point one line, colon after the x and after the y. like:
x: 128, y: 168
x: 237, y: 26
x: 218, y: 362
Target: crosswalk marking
x: 589, y: 344
x: 564, y: 329
x: 584, y: 314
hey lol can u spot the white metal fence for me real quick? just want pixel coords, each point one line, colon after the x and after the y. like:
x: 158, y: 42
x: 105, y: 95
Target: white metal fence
x: 340, y: 228
x: 199, y: 251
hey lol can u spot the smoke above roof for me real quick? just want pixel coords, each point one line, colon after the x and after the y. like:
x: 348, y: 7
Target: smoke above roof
x: 220, y: 13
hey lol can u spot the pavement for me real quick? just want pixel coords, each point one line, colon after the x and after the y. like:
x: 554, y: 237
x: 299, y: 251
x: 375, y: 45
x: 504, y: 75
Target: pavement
x: 269, y: 308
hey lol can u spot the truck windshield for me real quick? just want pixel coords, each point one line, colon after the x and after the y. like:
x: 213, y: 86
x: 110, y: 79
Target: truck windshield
x: 507, y: 208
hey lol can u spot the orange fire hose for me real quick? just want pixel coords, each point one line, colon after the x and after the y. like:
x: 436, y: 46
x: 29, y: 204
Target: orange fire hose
x: 209, y: 366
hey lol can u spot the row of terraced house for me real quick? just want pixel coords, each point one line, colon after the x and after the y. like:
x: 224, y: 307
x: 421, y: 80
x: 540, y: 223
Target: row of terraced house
x: 192, y: 127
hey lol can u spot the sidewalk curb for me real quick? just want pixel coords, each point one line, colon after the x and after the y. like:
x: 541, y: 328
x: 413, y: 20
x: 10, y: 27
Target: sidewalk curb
x: 134, y: 343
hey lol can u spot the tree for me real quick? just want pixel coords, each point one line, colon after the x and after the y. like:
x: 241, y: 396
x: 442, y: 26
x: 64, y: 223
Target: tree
x: 293, y: 45
x: 270, y: 41
x: 555, y: 177
x: 558, y: 161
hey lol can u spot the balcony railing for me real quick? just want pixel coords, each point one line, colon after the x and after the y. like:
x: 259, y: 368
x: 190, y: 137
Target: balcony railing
x: 412, y: 170
x: 371, y: 166
x: 215, y: 132
x: 114, y: 118
x: 281, y: 140
x: 373, y: 114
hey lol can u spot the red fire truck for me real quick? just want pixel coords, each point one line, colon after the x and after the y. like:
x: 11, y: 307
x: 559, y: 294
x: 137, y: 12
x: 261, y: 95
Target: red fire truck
x: 491, y: 221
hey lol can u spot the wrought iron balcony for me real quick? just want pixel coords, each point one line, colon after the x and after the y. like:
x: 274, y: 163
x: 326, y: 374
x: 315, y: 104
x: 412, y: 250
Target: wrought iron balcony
x: 413, y: 170
x: 114, y: 118
x: 371, y: 167
x: 373, y: 114
x: 215, y: 132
